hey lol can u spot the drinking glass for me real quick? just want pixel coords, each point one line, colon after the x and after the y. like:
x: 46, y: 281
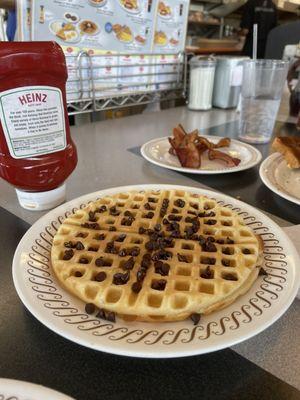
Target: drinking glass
x: 262, y: 86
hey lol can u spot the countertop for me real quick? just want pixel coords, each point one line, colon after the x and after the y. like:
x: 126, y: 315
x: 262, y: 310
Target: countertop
x: 264, y: 367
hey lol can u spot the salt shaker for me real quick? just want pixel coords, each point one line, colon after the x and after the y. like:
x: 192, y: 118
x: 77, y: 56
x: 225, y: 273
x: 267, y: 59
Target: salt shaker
x: 202, y: 72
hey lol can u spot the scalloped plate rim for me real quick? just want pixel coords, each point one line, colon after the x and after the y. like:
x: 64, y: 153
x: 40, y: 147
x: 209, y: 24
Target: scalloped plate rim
x: 129, y: 350
x: 267, y: 163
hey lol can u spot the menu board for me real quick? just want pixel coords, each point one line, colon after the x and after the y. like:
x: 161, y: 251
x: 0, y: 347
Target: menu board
x: 171, y: 25
x: 115, y: 25
x: 24, y: 20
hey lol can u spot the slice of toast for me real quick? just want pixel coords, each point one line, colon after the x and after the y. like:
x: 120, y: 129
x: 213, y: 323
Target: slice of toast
x: 290, y: 148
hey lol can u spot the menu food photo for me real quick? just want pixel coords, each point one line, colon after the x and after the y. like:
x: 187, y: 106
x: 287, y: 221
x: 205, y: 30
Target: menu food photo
x: 154, y: 256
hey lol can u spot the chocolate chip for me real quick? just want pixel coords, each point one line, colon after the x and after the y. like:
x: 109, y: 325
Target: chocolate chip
x: 146, y: 261
x: 220, y: 241
x: 128, y: 265
x: 92, y: 217
x: 113, y: 211
x: 159, y: 284
x: 127, y: 213
x: 121, y: 237
x: 79, y: 246
x: 161, y: 255
x: 226, y: 263
x: 151, y: 200
x: 68, y: 253
x: 135, y: 206
x: 121, y: 279
x: 157, y: 227
x: 110, y: 248
x: 90, y: 308
x: 195, y: 206
x: 262, y: 271
x: 210, y: 239
x: 147, y: 206
x: 165, y: 221
x: 134, y: 251
x: 123, y: 253
x: 94, y: 225
x: 182, y: 258
x: 179, y: 203
x: 140, y: 275
x: 162, y: 268
x: 195, y: 226
x: 142, y: 230
x: 230, y: 277
x: 100, y: 236
x: 149, y: 215
x: 195, y: 318
x: 165, y: 202
x: 174, y: 211
x: 83, y: 260
x: 202, y: 240
x: 209, y: 247
x: 210, y: 222
x: 107, y: 315
x: 246, y: 251
x: 101, y: 314
x: 112, y: 229
x: 173, y: 217
x: 127, y: 221
x: 110, y: 316
x: 207, y: 274
x: 229, y: 241
x: 226, y: 250
x: 136, y: 287
x: 208, y: 260
x: 99, y: 262
x: 175, y: 234
x: 101, y: 209
x: 100, y: 277
x: 78, y: 274
x: 151, y: 245
x: 189, y: 231
x: 81, y: 234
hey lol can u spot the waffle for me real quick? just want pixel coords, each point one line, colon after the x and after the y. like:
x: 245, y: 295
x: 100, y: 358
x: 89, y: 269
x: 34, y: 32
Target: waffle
x: 156, y: 255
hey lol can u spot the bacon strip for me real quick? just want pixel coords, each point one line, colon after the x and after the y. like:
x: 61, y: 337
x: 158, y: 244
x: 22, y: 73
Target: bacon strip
x: 189, y: 147
x: 219, y: 155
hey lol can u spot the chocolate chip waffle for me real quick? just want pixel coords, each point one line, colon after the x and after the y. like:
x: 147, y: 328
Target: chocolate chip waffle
x: 156, y: 255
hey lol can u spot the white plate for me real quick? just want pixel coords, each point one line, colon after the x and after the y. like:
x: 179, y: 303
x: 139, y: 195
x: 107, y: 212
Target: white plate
x: 61, y: 312
x: 88, y: 34
x: 95, y: 4
x: 168, y: 16
x: 56, y: 25
x: 282, y: 180
x: 157, y: 152
x: 134, y: 11
x: 11, y: 389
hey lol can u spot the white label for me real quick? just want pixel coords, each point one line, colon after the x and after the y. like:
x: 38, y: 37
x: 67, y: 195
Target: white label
x: 33, y: 120
x: 237, y: 76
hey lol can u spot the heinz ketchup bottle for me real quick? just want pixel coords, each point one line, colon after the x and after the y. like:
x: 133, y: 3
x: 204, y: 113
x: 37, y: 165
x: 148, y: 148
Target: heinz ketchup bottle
x: 36, y: 151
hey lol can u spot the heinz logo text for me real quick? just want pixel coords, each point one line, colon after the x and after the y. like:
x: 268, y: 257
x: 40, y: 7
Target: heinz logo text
x: 33, y: 98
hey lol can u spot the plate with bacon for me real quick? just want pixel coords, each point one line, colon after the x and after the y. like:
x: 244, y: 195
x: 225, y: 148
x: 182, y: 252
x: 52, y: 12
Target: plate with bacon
x: 200, y: 154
